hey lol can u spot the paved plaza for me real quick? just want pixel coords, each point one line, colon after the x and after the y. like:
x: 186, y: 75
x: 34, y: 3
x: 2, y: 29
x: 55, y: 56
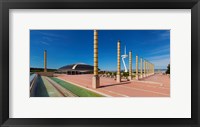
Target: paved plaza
x: 157, y: 85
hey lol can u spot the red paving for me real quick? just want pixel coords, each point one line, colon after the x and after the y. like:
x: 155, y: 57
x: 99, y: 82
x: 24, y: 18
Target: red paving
x: 164, y: 79
x: 152, y: 86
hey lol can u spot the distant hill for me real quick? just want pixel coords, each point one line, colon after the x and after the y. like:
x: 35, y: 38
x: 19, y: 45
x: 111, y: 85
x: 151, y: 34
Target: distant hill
x: 41, y: 69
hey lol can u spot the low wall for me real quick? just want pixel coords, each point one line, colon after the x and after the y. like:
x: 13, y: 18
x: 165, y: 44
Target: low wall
x: 33, y: 86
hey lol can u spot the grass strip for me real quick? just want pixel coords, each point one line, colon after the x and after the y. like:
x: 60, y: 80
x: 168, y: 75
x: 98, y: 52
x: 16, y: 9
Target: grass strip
x: 81, y: 92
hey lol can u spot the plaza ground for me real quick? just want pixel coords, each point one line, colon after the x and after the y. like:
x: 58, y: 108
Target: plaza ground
x: 157, y: 85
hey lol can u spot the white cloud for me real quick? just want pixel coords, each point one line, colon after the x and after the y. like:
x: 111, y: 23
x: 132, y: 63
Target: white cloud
x: 164, y: 49
x: 44, y: 43
x: 160, y: 57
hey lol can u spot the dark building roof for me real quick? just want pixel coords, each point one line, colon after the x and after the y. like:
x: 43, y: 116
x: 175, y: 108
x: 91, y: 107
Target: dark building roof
x: 77, y: 67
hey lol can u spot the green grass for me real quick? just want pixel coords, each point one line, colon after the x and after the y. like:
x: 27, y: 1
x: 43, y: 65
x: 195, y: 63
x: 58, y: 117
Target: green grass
x: 81, y: 92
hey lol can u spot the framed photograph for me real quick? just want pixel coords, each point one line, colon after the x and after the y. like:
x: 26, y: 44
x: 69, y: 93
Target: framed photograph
x: 99, y: 63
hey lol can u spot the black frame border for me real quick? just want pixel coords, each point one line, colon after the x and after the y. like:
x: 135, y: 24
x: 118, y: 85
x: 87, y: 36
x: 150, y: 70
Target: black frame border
x: 5, y: 5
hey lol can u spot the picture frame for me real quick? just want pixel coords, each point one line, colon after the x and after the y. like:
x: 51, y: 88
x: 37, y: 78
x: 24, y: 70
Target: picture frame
x: 5, y: 5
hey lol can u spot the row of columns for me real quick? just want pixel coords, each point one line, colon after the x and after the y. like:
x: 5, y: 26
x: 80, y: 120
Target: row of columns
x: 146, y: 68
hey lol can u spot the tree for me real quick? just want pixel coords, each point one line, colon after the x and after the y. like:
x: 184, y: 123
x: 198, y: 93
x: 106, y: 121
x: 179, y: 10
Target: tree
x: 168, y: 69
x: 125, y: 74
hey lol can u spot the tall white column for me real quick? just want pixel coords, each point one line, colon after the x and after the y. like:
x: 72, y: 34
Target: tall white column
x: 118, y: 62
x: 144, y: 68
x: 153, y: 69
x: 45, y: 61
x: 141, y: 71
x: 136, y: 68
x: 95, y: 79
x: 147, y: 69
x: 130, y: 65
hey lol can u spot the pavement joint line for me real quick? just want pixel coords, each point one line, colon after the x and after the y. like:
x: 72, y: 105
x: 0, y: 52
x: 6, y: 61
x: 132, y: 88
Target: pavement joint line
x: 157, y: 87
x: 144, y: 90
x: 148, y: 82
x: 163, y: 88
x: 85, y: 87
x: 115, y: 93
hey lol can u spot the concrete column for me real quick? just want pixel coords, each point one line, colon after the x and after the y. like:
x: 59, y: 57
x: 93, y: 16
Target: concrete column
x: 147, y: 68
x: 95, y: 79
x: 118, y: 62
x: 144, y: 69
x: 45, y: 61
x: 130, y: 65
x: 153, y: 69
x: 150, y: 69
x: 141, y: 71
x: 136, y: 68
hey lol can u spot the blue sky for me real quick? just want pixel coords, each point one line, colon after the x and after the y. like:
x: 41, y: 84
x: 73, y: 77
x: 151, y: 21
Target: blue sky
x: 76, y: 46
